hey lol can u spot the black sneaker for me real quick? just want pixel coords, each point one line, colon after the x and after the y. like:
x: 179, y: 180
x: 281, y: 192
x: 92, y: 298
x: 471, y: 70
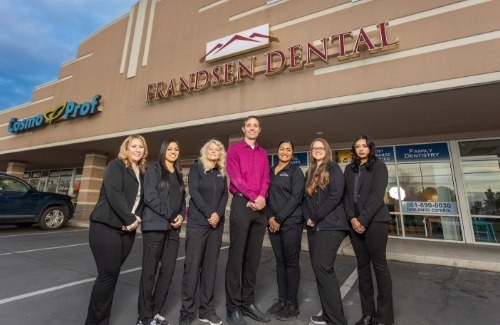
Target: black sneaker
x: 160, y: 320
x: 276, y: 307
x: 212, y: 320
x: 318, y: 319
x: 291, y: 310
x: 185, y: 320
x: 149, y: 321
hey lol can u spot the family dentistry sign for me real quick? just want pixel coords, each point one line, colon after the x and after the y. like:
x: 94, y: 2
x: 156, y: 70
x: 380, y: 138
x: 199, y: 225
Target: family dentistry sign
x: 65, y: 111
x: 344, y: 46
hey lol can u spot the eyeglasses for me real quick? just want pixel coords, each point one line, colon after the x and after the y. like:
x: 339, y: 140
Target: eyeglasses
x: 317, y: 149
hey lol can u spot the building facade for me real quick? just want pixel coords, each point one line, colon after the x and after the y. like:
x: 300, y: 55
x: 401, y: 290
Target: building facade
x: 420, y: 77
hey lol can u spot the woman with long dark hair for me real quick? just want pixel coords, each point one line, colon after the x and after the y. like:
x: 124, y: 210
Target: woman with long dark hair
x: 161, y: 222
x: 207, y: 208
x: 113, y: 222
x: 366, y: 182
x: 326, y: 228
x: 285, y: 225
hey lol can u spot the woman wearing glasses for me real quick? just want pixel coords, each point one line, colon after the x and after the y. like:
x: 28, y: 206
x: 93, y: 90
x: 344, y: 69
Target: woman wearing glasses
x: 326, y: 228
x: 366, y: 183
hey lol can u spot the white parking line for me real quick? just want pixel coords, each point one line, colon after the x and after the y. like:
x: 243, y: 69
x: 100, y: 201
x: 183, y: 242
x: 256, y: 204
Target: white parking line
x: 44, y: 233
x: 345, y: 288
x: 71, y: 284
x: 42, y: 249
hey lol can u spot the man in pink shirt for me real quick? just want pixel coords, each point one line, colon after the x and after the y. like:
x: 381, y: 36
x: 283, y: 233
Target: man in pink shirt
x: 248, y: 171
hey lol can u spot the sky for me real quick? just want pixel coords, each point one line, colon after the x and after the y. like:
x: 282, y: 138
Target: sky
x: 38, y: 36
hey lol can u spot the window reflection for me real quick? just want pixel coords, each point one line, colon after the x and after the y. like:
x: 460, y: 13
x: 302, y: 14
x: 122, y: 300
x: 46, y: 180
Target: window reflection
x: 486, y: 230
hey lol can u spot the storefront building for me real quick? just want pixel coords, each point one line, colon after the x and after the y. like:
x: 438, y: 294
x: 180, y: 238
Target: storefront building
x: 422, y: 78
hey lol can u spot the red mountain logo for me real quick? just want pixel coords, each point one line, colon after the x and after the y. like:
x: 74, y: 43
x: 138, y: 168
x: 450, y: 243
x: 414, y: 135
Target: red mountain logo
x: 239, y: 38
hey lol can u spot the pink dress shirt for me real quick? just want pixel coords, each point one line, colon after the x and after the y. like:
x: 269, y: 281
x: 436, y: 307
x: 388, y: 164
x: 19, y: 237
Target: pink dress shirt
x: 248, y: 170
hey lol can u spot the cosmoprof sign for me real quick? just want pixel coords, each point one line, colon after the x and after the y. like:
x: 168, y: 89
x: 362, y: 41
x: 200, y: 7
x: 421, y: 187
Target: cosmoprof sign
x: 65, y: 111
x: 344, y: 46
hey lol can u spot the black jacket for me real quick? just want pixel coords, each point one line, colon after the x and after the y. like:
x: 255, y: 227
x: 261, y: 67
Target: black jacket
x: 208, y: 195
x: 158, y: 214
x: 117, y: 196
x: 325, y: 206
x: 285, y: 195
x: 371, y: 193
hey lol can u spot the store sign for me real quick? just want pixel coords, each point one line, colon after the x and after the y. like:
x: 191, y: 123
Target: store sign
x: 298, y: 159
x: 65, y: 111
x: 448, y: 208
x: 343, y: 46
x: 419, y: 152
x: 385, y: 154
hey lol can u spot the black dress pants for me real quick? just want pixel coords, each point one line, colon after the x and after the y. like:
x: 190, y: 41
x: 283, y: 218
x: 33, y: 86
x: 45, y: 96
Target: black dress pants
x: 158, y: 246
x: 247, y: 228
x: 202, y: 251
x: 286, y: 247
x: 110, y: 247
x: 323, y: 246
x: 370, y: 249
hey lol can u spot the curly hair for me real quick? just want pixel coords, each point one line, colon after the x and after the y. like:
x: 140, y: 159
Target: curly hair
x: 122, y: 154
x: 372, y: 158
x: 221, y: 162
x: 317, y: 175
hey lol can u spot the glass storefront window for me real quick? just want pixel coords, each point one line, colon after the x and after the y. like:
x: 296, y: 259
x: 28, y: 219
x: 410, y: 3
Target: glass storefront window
x: 481, y: 171
x: 431, y: 226
x: 486, y: 230
x: 427, y: 182
x: 426, y: 192
x: 392, y: 201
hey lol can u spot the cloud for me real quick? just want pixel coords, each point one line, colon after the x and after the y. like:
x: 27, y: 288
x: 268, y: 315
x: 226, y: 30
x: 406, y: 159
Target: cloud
x: 37, y: 36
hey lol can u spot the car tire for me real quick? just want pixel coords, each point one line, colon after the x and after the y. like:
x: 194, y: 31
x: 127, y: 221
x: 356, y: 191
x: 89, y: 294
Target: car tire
x: 53, y: 218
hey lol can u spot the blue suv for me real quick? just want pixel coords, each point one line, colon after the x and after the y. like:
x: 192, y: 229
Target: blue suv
x: 23, y: 205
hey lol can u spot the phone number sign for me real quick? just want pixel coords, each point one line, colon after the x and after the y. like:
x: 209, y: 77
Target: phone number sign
x: 430, y: 207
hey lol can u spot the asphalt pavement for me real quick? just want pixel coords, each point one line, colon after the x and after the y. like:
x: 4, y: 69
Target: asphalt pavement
x: 46, y: 278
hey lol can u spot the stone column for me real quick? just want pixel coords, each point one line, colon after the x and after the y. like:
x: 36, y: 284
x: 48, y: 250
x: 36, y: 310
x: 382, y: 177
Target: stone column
x: 15, y: 168
x: 91, y: 181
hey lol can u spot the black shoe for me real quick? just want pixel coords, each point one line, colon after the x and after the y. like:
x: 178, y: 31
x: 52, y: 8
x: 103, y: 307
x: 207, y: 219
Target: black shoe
x: 318, y: 319
x: 255, y: 313
x: 160, y: 320
x: 146, y: 321
x: 212, y: 319
x: 291, y: 310
x: 235, y: 318
x: 185, y: 320
x: 366, y: 320
x: 276, y: 307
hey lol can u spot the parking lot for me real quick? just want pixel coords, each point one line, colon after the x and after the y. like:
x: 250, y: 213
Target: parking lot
x: 46, y: 278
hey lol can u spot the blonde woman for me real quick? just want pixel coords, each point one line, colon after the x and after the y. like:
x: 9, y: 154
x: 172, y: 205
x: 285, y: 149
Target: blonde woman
x: 326, y: 228
x: 207, y: 206
x: 113, y: 222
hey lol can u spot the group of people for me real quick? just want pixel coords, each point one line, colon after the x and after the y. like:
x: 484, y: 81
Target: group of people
x: 328, y: 202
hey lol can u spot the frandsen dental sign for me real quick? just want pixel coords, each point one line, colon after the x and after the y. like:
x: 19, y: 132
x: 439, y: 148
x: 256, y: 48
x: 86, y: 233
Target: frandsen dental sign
x: 344, y: 46
x: 65, y: 111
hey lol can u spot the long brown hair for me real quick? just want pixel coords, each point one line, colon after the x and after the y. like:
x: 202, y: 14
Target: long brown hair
x: 317, y: 175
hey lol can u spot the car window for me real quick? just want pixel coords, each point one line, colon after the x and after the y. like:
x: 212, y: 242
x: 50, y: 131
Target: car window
x: 12, y: 185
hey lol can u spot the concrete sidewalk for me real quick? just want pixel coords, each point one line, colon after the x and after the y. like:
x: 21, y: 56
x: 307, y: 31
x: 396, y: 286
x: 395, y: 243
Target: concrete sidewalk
x: 477, y: 256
